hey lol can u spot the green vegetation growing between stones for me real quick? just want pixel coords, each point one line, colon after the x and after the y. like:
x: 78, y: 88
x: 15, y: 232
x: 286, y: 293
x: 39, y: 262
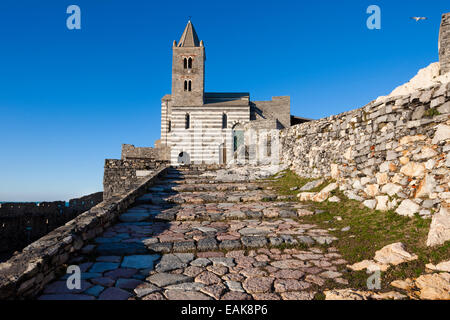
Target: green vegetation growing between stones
x: 432, y: 112
x: 284, y: 181
x: 370, y: 230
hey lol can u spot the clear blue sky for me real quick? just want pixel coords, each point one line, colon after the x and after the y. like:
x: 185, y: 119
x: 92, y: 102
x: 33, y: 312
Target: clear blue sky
x: 69, y: 99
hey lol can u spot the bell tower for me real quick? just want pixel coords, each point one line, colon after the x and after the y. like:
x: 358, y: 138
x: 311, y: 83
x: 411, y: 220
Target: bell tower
x: 188, y: 69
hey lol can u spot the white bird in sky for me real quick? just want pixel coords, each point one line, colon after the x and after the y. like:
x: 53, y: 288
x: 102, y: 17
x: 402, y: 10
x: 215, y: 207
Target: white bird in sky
x: 419, y: 18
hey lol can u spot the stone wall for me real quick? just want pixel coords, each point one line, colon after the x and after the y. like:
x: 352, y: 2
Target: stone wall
x: 278, y: 108
x: 130, y: 152
x: 25, y: 274
x: 121, y: 174
x: 444, y: 44
x: 265, y: 124
x: 23, y: 223
x: 393, y: 152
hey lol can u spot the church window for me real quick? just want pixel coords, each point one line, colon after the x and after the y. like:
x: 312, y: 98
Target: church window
x: 189, y: 63
x: 224, y: 121
x: 187, y: 85
x: 188, y: 121
x: 185, y: 61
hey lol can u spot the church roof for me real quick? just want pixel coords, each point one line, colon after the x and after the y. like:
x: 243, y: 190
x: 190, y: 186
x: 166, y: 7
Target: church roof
x: 227, y: 98
x: 189, y: 37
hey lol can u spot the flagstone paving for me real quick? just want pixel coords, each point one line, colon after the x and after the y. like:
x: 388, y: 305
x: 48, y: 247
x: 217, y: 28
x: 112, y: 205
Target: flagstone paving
x: 195, y: 237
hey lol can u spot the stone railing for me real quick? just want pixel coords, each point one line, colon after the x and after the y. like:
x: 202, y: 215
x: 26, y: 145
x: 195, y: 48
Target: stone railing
x: 25, y: 274
x: 392, y: 154
x: 120, y: 174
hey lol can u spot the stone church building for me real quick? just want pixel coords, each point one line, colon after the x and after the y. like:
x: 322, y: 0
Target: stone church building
x: 208, y: 127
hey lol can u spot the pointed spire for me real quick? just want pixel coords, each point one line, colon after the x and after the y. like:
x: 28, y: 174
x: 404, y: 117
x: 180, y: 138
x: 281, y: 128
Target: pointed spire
x: 189, y: 37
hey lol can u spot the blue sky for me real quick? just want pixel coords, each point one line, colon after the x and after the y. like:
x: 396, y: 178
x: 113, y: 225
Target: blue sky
x: 69, y: 99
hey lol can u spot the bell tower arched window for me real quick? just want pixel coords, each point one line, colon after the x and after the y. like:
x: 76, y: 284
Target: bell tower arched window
x: 187, y: 85
x: 189, y: 63
x: 185, y: 63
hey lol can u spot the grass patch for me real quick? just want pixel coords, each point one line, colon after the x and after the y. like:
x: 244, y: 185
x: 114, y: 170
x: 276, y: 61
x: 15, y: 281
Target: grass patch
x: 370, y: 230
x: 287, y: 180
x: 432, y: 112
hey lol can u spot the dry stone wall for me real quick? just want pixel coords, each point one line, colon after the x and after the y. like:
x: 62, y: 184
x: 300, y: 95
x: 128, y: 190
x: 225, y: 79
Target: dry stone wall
x: 119, y: 175
x: 444, y: 43
x: 392, y: 154
x: 129, y: 151
x: 25, y: 274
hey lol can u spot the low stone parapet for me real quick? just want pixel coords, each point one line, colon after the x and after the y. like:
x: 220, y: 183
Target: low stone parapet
x: 25, y: 274
x: 119, y: 174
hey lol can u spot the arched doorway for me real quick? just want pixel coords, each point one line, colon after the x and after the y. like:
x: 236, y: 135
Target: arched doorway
x: 184, y: 158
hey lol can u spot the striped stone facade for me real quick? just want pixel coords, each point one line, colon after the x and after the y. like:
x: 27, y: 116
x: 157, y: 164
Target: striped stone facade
x: 200, y: 127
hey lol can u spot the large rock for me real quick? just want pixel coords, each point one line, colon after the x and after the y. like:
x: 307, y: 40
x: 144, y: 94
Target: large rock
x: 406, y: 284
x: 391, y: 189
x: 442, y: 133
x: 408, y: 208
x: 311, y: 185
x: 426, y: 187
x: 306, y: 196
x: 370, y: 265
x: 329, y: 188
x: 372, y: 190
x: 394, y: 254
x: 425, y: 78
x: 370, y: 204
x: 440, y: 228
x: 413, y: 169
x: 382, y: 203
x: 434, y: 286
x: 442, y: 266
x: 351, y: 294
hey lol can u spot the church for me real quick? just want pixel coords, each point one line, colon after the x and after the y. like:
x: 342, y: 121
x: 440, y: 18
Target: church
x: 199, y: 127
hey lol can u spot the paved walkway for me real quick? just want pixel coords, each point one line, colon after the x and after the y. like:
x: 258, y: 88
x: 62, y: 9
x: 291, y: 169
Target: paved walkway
x: 195, y: 237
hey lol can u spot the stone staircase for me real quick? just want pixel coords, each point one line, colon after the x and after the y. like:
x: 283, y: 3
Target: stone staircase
x: 195, y: 236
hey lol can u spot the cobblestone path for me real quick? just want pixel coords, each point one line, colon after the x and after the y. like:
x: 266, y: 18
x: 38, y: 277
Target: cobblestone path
x: 195, y: 237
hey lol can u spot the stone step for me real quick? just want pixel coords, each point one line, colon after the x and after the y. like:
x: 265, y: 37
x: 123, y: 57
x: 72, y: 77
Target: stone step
x: 207, y: 197
x: 187, y: 236
x: 203, y: 181
x: 190, y: 172
x: 190, y: 175
x: 206, y: 187
x: 214, y: 211
x: 191, y: 231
